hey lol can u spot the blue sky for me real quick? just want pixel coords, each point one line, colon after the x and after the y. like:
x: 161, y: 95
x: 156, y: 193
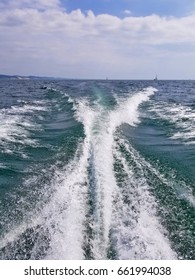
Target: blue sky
x: 119, y: 39
x: 136, y: 7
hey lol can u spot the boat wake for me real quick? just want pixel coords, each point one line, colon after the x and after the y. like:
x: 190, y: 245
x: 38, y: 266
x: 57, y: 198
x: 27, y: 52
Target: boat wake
x: 101, y: 206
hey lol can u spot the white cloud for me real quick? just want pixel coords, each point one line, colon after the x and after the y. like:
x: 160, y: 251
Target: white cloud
x: 127, y: 12
x: 40, y: 37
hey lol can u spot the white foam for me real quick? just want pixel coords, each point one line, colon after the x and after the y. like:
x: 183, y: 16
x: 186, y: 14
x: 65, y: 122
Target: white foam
x: 127, y: 111
x: 16, y: 125
x: 12, y: 131
x: 183, y: 118
x: 2, y: 165
x: 66, y: 212
x: 100, y: 126
x: 63, y: 216
x: 100, y: 150
x: 137, y: 228
x: 97, y: 150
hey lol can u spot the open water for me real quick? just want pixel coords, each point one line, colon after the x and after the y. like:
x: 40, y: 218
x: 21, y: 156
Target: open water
x: 93, y: 169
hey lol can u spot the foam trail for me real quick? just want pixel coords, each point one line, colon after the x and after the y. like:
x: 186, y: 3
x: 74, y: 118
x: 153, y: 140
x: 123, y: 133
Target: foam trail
x: 127, y: 111
x: 68, y: 206
x: 67, y: 236
x: 69, y: 203
x: 99, y: 126
x: 62, y: 217
x: 137, y: 231
x: 100, y: 155
x: 68, y: 211
x: 101, y: 135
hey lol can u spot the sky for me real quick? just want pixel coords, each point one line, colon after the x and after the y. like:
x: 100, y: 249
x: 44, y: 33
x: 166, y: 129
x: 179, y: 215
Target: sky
x: 95, y: 39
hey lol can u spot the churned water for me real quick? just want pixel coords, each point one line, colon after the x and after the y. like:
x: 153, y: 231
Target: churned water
x: 93, y: 169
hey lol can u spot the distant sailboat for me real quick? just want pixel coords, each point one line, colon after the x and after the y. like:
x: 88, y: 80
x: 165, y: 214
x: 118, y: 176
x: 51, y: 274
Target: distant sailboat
x: 156, y: 78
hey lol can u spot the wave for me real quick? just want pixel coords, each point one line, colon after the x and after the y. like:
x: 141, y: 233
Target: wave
x: 182, y: 117
x: 17, y: 123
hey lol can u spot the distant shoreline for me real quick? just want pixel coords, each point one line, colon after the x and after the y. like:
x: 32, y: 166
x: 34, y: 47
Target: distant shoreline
x: 21, y: 77
x: 31, y: 77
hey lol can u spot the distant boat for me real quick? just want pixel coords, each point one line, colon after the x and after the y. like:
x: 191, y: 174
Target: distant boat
x: 156, y: 78
x: 43, y: 87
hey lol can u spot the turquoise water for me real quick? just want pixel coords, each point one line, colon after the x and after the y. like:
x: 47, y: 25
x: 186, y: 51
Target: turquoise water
x: 97, y: 169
